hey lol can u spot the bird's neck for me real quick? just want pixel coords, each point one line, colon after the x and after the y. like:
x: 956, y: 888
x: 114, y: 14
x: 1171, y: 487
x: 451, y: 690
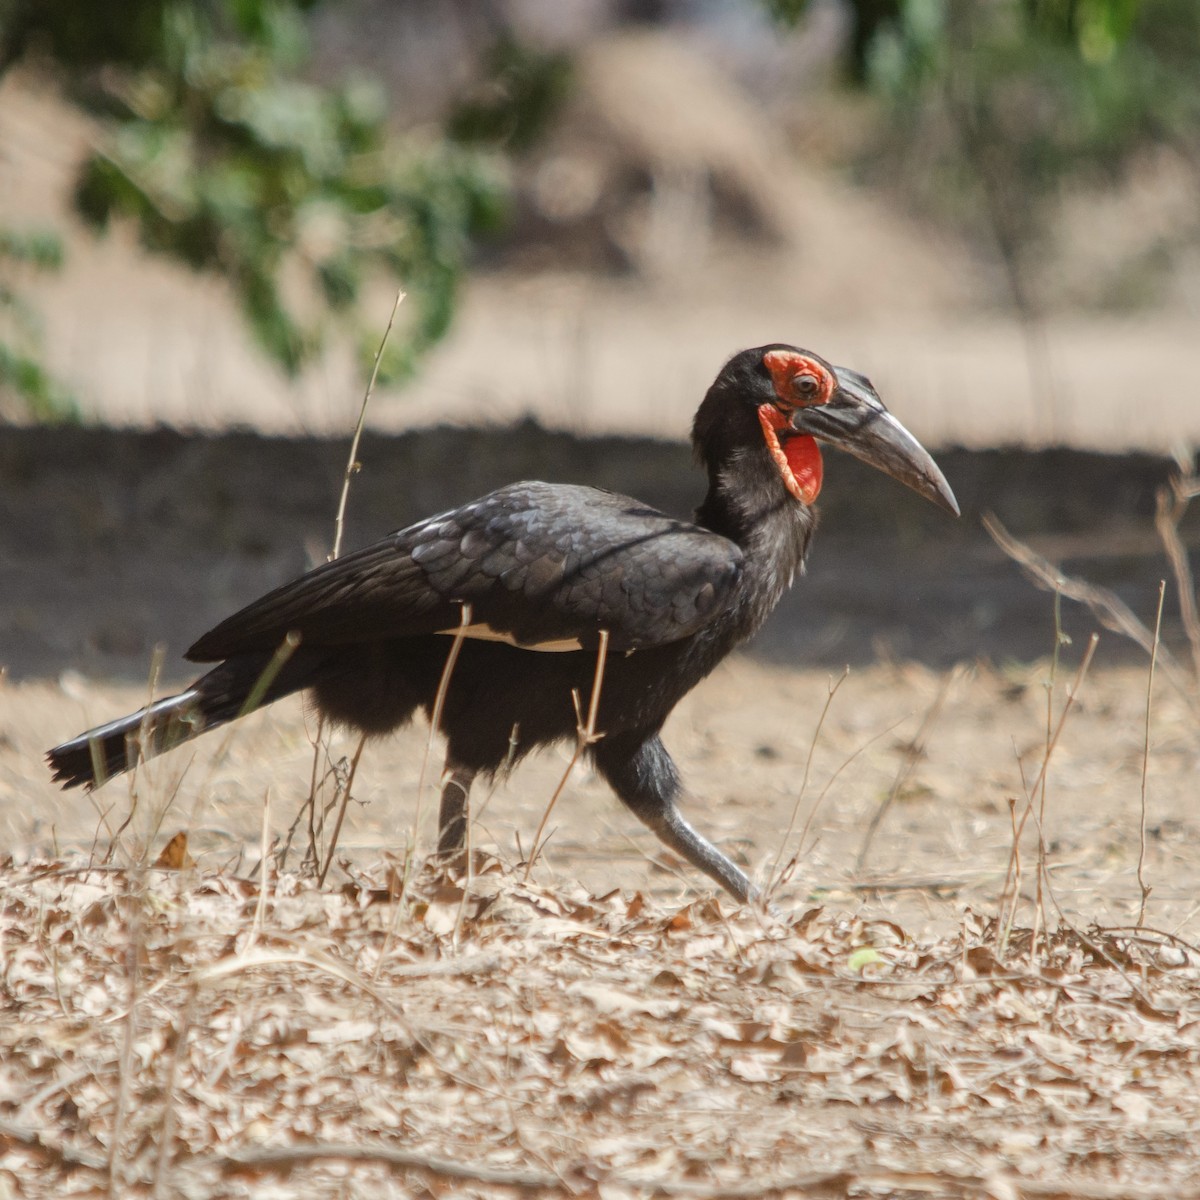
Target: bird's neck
x: 748, y: 503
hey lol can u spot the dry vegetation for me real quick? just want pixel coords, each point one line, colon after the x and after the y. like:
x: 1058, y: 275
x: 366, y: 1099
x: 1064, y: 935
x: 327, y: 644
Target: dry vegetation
x: 201, y: 1036
x: 224, y: 1029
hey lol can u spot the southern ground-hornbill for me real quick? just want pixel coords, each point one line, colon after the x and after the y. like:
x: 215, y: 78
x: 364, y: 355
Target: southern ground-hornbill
x: 527, y: 579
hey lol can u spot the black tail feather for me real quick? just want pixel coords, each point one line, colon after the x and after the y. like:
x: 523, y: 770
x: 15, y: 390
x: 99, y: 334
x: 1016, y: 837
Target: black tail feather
x: 98, y: 755
x: 213, y: 700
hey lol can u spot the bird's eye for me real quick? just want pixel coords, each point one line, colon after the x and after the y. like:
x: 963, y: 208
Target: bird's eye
x: 805, y: 386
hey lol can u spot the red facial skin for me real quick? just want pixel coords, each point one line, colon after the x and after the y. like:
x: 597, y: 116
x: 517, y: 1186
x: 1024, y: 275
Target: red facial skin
x: 796, y: 455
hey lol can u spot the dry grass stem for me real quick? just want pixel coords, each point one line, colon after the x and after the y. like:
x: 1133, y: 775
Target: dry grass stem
x: 397, y: 900
x: 1109, y: 609
x: 345, y: 801
x: 585, y: 736
x: 264, y: 878
x: 353, y: 466
x: 255, y: 960
x: 1141, y: 862
x: 913, y: 755
x: 217, y: 758
x: 773, y: 876
x: 1171, y: 503
x: 504, y: 770
x: 269, y: 674
x: 435, y: 716
x: 136, y: 746
x: 1005, y: 923
x: 790, y: 866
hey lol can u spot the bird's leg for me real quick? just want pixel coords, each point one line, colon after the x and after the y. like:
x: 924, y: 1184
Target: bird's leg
x: 675, y: 832
x: 452, y: 816
x: 646, y: 781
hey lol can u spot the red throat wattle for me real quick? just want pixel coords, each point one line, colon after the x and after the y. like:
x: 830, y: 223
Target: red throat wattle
x: 798, y: 457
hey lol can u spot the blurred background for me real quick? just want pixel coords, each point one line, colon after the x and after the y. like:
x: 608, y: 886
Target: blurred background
x: 991, y: 206
x: 207, y: 208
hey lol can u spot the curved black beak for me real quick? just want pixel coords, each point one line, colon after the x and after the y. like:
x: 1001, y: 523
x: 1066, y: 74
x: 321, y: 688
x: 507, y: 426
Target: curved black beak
x: 856, y: 421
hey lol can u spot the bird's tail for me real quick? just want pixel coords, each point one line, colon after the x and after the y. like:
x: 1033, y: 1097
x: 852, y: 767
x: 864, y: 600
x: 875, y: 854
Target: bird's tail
x: 229, y: 691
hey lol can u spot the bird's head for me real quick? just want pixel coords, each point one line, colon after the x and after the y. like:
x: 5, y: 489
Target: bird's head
x: 789, y: 400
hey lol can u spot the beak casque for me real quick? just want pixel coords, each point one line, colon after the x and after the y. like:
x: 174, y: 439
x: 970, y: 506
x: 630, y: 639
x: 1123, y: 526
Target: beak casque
x: 855, y: 420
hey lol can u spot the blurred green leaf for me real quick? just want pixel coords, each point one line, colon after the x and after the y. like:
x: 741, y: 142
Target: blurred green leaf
x: 519, y: 93
x: 993, y: 109
x: 40, y: 248
x: 225, y: 157
x: 22, y: 372
x: 787, y: 12
x: 44, y: 398
x: 864, y: 956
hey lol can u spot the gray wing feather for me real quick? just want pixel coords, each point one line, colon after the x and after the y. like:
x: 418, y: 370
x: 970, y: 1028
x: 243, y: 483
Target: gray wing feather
x: 537, y: 563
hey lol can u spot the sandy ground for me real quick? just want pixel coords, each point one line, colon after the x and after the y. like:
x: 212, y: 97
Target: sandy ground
x: 743, y: 741
x: 596, y: 1030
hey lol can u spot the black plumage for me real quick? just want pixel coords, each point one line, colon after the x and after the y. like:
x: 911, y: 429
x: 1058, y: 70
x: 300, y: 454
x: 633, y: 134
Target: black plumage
x: 528, y: 576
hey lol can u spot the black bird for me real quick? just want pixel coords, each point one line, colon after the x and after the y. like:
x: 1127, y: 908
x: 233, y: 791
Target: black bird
x: 528, y: 577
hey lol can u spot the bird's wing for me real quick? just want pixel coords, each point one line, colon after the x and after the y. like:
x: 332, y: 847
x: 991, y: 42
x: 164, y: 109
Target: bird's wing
x: 543, y: 566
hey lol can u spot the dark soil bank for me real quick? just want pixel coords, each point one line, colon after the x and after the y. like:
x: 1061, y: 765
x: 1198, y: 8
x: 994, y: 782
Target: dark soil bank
x: 112, y: 542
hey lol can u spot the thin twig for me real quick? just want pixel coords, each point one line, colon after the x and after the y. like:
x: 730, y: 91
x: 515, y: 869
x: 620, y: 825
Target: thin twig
x: 1100, y: 952
x: 585, y: 736
x: 1052, y: 744
x: 166, y: 1132
x: 353, y: 466
x: 1108, y: 608
x: 288, y: 1157
x: 773, y: 874
x: 1072, y: 693
x: 1141, y: 863
x: 1173, y: 938
x: 916, y: 750
x: 435, y: 715
x: 264, y: 879
x: 1039, y: 907
x: 312, y: 855
x: 1171, y: 503
x: 1013, y: 874
x: 337, y: 825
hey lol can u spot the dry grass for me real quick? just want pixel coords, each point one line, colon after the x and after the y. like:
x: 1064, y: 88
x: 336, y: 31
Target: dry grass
x: 228, y: 1030
x: 573, y: 1044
